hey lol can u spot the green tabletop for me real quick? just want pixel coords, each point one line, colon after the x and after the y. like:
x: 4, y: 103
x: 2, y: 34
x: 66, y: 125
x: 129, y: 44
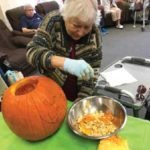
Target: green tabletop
x: 136, y: 132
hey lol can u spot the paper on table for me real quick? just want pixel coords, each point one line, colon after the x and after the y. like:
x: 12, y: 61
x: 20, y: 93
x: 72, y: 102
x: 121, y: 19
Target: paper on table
x: 118, y: 77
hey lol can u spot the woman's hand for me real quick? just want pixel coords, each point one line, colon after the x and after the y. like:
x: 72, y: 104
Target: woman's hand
x: 79, y: 68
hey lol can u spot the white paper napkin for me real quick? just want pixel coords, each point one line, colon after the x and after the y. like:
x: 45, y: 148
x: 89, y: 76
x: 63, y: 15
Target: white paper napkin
x: 118, y: 77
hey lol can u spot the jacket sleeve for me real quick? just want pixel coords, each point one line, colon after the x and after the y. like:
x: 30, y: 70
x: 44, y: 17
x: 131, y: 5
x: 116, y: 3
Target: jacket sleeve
x: 87, y: 87
x: 39, y: 50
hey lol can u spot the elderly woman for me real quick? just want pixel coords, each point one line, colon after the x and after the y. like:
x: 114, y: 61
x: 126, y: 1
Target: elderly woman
x: 67, y: 48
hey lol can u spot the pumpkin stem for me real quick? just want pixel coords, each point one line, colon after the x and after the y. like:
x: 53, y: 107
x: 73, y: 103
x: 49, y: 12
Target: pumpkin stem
x: 26, y: 87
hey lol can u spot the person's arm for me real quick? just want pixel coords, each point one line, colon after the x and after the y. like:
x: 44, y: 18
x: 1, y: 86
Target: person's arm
x: 57, y: 62
x: 40, y: 53
x: 26, y: 30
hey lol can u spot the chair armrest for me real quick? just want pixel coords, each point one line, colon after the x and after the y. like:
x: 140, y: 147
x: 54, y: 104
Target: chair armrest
x: 3, y: 56
x: 20, y: 41
x: 16, y: 33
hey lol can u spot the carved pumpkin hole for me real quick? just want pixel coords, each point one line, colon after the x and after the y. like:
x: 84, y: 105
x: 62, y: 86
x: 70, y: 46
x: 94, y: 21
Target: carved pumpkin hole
x: 26, y: 87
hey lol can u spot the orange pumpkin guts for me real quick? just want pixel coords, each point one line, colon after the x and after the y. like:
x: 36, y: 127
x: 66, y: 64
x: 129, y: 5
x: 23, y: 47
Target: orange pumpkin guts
x: 34, y: 107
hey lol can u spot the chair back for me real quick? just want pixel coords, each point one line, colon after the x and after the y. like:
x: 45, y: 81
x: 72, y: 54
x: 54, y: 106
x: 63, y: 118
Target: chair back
x: 46, y: 7
x: 14, y: 15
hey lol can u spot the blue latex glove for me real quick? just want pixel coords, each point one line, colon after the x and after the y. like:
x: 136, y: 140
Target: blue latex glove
x: 79, y: 68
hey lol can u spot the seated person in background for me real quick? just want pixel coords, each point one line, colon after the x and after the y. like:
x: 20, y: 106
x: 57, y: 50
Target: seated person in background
x: 111, y: 7
x: 136, y: 4
x: 31, y: 20
x: 101, y: 17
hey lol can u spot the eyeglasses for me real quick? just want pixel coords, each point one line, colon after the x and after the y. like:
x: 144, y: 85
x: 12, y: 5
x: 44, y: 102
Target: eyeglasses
x: 140, y: 93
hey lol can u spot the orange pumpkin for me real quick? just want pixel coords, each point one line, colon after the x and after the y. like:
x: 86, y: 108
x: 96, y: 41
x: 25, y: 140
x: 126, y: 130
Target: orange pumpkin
x: 34, y: 107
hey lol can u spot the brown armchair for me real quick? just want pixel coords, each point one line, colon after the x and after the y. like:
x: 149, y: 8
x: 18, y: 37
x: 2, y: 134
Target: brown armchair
x: 14, y: 15
x: 46, y: 7
x: 15, y: 55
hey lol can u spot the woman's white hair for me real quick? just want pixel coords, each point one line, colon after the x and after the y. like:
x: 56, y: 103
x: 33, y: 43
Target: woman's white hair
x: 86, y: 10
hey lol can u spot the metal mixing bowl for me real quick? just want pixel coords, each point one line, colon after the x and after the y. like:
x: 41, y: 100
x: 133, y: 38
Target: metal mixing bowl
x: 95, y: 104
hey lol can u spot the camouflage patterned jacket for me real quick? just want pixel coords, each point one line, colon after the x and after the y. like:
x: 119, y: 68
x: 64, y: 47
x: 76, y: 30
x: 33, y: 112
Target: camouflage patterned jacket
x: 52, y: 39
